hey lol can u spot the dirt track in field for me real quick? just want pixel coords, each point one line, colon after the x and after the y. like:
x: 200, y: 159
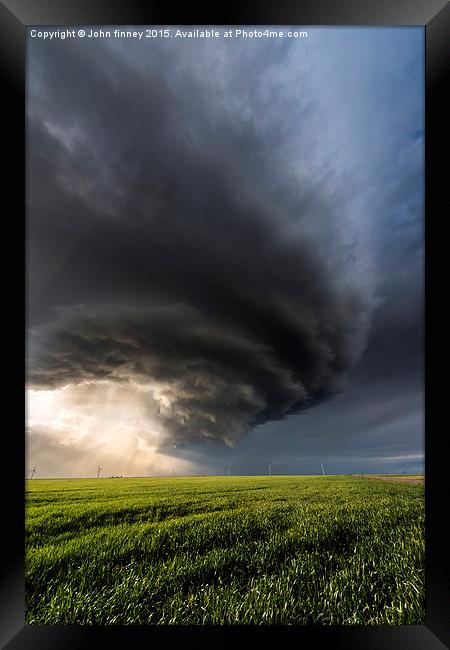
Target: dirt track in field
x: 400, y: 479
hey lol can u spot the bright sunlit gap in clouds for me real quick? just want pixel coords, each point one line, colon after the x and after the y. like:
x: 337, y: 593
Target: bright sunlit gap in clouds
x: 75, y: 428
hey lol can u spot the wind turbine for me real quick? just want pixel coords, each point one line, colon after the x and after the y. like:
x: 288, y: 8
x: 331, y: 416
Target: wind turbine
x: 33, y: 471
x: 99, y: 470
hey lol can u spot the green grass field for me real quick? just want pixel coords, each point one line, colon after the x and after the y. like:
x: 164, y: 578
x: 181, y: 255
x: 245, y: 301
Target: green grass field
x: 237, y: 550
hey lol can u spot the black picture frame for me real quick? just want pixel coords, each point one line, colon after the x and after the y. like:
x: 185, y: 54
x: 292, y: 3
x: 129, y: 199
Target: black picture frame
x: 15, y: 17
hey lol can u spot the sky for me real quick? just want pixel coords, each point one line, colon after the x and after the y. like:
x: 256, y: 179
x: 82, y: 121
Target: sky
x: 225, y: 254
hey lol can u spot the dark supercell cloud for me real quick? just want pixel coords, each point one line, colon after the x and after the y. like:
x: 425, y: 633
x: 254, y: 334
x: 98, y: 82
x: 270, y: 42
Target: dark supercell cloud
x: 172, y: 245
x: 226, y: 238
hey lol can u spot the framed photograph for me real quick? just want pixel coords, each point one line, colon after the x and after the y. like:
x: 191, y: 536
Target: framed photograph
x: 226, y: 378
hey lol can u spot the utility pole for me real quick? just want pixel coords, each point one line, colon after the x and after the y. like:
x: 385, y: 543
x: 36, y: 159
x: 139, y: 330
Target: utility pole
x: 33, y: 471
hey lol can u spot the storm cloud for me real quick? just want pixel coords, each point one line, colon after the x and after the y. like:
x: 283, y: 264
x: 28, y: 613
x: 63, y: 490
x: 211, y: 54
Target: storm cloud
x: 191, y: 233
x: 194, y: 258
